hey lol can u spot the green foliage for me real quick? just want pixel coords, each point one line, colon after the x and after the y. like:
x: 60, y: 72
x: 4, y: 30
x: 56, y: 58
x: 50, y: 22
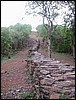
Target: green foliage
x: 3, y: 59
x: 6, y: 41
x: 62, y: 38
x: 14, y: 37
x: 42, y: 31
x: 29, y: 55
x: 62, y: 96
x: 26, y: 96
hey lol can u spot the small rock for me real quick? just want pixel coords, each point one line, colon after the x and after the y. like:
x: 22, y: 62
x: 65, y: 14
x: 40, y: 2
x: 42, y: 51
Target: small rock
x: 44, y: 72
x: 43, y: 66
x: 1, y: 94
x: 58, y: 61
x: 48, y: 76
x: 12, y: 91
x: 59, y: 78
x: 71, y: 77
x: 55, y: 62
x: 18, y: 90
x: 47, y: 81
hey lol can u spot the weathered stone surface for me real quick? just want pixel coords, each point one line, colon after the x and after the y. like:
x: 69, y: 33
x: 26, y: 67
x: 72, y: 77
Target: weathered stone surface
x: 67, y: 84
x: 55, y: 62
x: 44, y: 72
x: 37, y: 86
x: 18, y: 90
x: 56, y: 75
x: 41, y: 77
x: 70, y: 73
x: 47, y: 81
x: 45, y: 97
x: 58, y: 64
x: 48, y: 76
x: 55, y: 66
x: 46, y: 86
x: 66, y: 69
x: 46, y: 61
x: 46, y: 92
x: 59, y: 71
x: 70, y: 67
x: 67, y: 92
x: 72, y: 84
x: 71, y: 95
x: 51, y: 77
x: 52, y: 69
x: 54, y: 96
x: 70, y: 77
x: 59, y: 78
x: 67, y: 64
x: 43, y: 66
x: 55, y: 88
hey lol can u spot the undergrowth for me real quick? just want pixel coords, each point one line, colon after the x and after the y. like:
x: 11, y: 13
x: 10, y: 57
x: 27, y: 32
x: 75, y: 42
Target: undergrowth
x: 62, y: 95
x: 27, y: 96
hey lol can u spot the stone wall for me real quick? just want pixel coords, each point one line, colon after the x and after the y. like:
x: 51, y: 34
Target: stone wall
x: 51, y: 78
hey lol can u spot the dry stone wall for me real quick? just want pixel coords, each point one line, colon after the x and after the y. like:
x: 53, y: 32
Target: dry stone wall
x: 50, y: 78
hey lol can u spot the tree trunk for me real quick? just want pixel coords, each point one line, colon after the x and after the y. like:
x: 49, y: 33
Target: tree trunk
x: 49, y: 48
x: 50, y: 28
x: 49, y: 43
x: 74, y: 47
x: 43, y: 20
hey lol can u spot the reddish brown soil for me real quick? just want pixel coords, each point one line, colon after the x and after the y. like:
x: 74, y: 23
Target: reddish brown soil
x: 13, y: 74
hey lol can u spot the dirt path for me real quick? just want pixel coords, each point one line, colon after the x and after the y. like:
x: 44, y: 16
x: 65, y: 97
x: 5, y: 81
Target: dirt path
x: 14, y: 79
x: 34, y: 36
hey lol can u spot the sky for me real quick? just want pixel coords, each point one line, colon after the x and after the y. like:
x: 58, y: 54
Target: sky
x: 12, y: 12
